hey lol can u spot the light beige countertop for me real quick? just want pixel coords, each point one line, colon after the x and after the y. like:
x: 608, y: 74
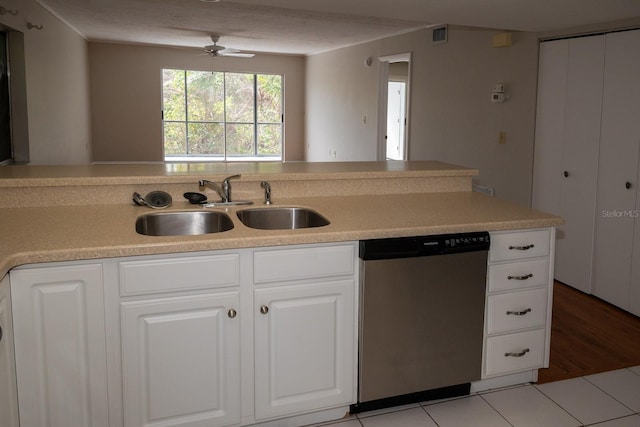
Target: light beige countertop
x: 67, y: 213
x: 44, y: 234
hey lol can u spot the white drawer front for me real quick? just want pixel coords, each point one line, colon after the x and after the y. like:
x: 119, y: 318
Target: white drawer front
x: 521, y: 244
x: 179, y: 274
x: 518, y: 275
x: 514, y: 352
x: 516, y: 310
x: 303, y: 263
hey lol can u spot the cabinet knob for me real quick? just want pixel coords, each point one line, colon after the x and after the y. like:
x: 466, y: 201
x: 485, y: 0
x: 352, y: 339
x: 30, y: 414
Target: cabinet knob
x: 628, y: 185
x: 566, y: 174
x: 232, y: 313
x: 264, y: 309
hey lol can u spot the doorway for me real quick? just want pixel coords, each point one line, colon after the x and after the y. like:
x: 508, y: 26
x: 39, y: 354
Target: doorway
x: 6, y: 152
x: 393, y: 108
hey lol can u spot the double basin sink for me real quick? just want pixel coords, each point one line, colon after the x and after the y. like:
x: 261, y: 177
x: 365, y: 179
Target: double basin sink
x: 189, y: 223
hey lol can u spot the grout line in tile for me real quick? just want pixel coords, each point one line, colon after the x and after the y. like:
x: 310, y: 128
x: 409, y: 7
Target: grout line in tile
x: 492, y: 407
x: 605, y: 392
x: 429, y: 415
x: 606, y: 421
x: 508, y: 387
x: 558, y: 405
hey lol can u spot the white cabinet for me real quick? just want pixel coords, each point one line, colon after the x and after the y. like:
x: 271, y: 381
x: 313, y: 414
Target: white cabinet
x: 566, y: 149
x: 618, y: 175
x: 8, y: 390
x: 518, y: 308
x: 181, y: 360
x: 305, y: 329
x: 236, y: 337
x: 304, y: 347
x: 60, y: 350
x: 180, y: 340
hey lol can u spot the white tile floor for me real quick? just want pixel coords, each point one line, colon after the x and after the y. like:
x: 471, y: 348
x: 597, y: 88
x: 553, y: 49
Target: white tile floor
x: 610, y: 399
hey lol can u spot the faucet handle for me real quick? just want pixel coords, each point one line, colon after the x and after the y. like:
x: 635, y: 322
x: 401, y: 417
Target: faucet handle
x: 226, y: 187
x: 226, y: 180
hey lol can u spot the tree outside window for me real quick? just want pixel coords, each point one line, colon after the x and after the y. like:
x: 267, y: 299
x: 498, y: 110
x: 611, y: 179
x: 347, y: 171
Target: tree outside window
x: 222, y: 116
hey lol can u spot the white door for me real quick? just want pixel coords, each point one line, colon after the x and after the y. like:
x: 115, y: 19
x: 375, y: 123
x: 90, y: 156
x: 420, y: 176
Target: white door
x: 618, y: 168
x: 59, y: 335
x: 566, y: 149
x: 304, y: 348
x: 574, y: 246
x: 180, y: 361
x: 396, y: 120
x: 8, y: 391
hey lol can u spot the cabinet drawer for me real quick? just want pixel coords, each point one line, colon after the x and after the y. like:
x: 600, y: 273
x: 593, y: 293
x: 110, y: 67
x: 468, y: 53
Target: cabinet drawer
x: 521, y: 244
x: 303, y: 263
x: 517, y: 275
x: 179, y: 274
x: 516, y: 310
x: 514, y: 352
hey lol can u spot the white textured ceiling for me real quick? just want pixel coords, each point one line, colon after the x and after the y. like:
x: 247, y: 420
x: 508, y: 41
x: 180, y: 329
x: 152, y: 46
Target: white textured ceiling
x: 309, y: 26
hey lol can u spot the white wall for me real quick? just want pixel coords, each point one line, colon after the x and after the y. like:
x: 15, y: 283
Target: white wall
x: 57, y: 80
x: 452, y: 118
x: 126, y: 96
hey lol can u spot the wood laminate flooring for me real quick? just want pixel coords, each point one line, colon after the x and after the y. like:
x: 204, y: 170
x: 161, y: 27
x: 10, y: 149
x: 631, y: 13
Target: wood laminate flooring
x: 589, y: 336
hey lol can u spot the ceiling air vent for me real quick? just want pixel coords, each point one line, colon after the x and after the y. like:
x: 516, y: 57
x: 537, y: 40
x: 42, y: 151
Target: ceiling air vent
x: 439, y: 34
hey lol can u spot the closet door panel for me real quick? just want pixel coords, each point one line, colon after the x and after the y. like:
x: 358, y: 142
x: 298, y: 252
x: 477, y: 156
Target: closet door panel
x: 547, y: 164
x: 574, y: 247
x: 619, y: 150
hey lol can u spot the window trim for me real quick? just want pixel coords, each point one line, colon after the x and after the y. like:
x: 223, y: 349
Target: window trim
x: 225, y: 157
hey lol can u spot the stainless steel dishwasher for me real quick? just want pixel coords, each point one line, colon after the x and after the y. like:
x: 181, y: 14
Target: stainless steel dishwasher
x: 421, y: 317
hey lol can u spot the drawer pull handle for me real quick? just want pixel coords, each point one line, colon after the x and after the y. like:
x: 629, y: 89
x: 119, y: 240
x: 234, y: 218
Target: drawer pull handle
x: 264, y: 309
x: 232, y: 313
x: 525, y: 277
x: 518, y: 313
x: 0, y: 333
x: 522, y: 353
x: 521, y: 248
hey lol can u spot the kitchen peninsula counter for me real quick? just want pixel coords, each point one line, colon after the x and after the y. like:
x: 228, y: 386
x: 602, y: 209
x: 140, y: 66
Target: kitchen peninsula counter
x: 71, y: 213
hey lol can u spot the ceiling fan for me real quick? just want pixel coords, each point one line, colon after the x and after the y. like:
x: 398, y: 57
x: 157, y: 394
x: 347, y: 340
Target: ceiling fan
x: 217, y: 50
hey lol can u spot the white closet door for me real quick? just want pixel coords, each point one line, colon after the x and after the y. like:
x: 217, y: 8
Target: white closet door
x: 547, y: 164
x: 619, y: 147
x: 574, y: 245
x: 634, y: 300
x: 567, y: 138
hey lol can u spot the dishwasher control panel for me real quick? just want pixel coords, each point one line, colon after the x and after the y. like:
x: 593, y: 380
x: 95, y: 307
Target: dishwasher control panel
x: 415, y: 246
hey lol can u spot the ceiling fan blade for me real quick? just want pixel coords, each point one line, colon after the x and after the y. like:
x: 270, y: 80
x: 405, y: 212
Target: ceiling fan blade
x: 239, y: 54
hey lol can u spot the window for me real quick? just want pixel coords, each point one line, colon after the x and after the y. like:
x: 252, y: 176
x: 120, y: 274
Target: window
x: 221, y: 116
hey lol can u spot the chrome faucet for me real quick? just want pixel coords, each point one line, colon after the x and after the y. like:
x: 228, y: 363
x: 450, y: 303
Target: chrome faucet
x: 224, y: 190
x: 267, y: 192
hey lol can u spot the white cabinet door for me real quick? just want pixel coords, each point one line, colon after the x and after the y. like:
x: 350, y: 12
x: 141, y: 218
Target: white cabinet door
x: 618, y: 168
x: 180, y: 358
x: 304, y: 347
x: 60, y: 346
x: 8, y: 391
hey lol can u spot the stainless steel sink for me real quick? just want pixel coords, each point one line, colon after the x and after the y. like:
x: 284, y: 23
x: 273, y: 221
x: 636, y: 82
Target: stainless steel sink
x: 281, y: 218
x: 184, y: 223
